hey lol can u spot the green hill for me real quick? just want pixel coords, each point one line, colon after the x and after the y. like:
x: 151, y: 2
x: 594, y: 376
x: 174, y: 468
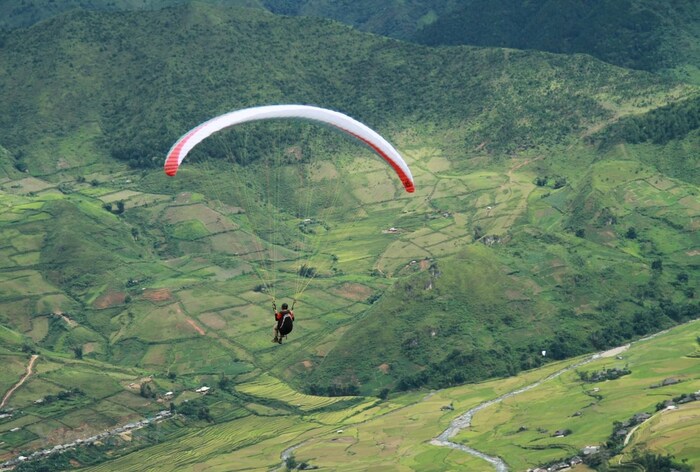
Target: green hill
x: 82, y: 83
x: 642, y: 34
x: 516, y: 183
x: 556, y: 210
x: 516, y: 420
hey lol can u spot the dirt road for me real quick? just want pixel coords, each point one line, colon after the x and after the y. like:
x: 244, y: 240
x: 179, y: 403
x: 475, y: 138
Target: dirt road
x: 30, y: 369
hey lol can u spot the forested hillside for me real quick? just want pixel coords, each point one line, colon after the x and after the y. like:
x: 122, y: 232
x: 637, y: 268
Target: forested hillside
x: 100, y: 87
x: 137, y: 79
x: 641, y: 34
x: 555, y: 214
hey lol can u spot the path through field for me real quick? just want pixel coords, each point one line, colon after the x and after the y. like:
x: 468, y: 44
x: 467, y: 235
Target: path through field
x: 29, y: 372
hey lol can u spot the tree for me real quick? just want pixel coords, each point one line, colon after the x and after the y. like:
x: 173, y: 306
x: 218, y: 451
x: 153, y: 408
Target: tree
x: 224, y: 382
x: 290, y: 462
x: 146, y: 391
x: 78, y: 351
x: 559, y: 182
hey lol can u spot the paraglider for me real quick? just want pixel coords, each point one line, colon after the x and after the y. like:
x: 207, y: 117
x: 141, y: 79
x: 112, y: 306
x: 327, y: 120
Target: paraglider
x: 284, y: 322
x: 343, y: 122
x: 284, y: 318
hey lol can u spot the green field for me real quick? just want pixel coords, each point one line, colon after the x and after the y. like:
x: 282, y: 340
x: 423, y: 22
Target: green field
x: 395, y: 434
x: 556, y: 209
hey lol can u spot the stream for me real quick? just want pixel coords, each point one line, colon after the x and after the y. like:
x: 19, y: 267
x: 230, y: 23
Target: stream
x: 465, y: 420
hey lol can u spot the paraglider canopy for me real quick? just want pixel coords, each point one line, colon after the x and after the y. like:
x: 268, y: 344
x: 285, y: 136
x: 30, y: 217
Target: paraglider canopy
x: 343, y: 122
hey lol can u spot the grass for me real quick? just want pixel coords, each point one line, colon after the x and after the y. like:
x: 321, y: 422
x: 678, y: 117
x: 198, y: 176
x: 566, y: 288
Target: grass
x: 552, y: 406
x: 186, y: 241
x: 671, y: 432
x: 266, y: 386
x: 371, y: 435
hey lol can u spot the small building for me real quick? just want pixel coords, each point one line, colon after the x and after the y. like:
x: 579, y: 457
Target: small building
x: 588, y: 450
x: 559, y: 466
x: 203, y: 389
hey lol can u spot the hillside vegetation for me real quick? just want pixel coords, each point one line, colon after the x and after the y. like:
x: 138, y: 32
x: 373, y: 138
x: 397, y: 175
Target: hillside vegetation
x: 641, y: 34
x: 397, y: 432
x: 556, y: 210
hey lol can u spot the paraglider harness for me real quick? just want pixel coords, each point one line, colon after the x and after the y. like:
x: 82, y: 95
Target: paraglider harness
x: 285, y: 321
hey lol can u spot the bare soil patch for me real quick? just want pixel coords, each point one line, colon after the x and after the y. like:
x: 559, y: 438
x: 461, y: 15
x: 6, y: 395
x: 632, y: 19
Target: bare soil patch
x: 353, y: 291
x: 89, y: 347
x: 158, y: 295
x: 195, y: 326
x: 109, y: 300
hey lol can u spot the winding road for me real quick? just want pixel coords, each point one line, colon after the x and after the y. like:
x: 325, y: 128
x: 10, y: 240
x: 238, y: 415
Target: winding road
x: 30, y: 369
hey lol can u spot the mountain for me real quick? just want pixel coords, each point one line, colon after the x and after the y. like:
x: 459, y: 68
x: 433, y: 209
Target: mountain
x: 28, y: 12
x: 641, y: 34
x: 394, y: 18
x: 125, y: 85
x: 556, y: 211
